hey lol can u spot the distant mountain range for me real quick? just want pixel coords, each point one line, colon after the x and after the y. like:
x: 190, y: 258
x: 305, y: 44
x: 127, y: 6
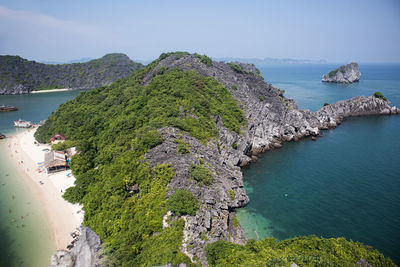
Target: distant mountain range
x: 270, y: 60
x: 20, y: 76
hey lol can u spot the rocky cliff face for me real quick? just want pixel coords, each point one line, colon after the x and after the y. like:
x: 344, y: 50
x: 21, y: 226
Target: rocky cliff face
x: 270, y: 120
x: 344, y: 74
x: 86, y: 252
x: 20, y: 76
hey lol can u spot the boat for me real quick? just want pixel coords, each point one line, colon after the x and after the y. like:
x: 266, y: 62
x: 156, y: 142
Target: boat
x: 2, y: 136
x: 4, y: 108
x: 23, y: 124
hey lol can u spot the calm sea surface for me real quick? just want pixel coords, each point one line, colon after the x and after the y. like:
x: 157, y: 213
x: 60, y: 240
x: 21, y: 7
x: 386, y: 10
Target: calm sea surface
x: 25, y: 234
x: 347, y: 183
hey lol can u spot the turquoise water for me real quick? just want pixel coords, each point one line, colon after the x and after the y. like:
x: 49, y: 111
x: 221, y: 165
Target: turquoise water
x: 347, y: 183
x: 26, y: 240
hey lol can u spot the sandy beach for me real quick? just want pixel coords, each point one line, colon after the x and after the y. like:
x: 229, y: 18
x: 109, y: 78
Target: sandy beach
x: 63, y: 216
x: 51, y: 90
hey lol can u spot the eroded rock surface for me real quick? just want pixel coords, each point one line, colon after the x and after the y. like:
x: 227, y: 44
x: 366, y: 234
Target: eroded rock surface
x: 85, y: 252
x: 344, y: 74
x: 270, y: 119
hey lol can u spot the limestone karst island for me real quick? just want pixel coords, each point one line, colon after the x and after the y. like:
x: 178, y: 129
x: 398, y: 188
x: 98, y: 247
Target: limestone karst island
x: 117, y: 151
x: 344, y: 74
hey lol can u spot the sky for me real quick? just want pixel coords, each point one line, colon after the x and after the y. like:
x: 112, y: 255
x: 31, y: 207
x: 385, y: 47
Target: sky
x: 337, y: 31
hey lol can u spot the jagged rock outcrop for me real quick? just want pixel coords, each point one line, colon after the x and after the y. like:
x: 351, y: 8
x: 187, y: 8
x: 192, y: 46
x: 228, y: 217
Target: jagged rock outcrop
x: 86, y: 252
x: 362, y: 263
x: 20, y: 76
x: 215, y: 218
x: 344, y: 74
x: 270, y: 120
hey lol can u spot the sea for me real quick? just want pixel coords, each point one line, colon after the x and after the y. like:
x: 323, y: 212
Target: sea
x: 347, y: 183
x: 26, y: 238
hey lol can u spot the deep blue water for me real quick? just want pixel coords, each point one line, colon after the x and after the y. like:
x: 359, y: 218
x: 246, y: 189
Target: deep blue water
x: 347, y: 183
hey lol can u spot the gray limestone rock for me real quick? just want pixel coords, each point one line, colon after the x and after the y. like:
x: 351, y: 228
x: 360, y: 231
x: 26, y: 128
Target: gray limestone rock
x: 85, y: 252
x: 271, y: 119
x: 344, y: 74
x: 62, y: 258
x: 363, y: 263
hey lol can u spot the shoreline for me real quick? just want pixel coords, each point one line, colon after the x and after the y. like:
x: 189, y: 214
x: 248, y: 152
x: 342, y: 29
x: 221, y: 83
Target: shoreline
x: 62, y: 216
x: 51, y: 90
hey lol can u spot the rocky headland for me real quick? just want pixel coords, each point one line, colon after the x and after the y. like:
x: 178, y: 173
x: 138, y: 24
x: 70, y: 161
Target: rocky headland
x: 86, y: 251
x: 344, y: 74
x: 270, y: 120
x: 20, y: 76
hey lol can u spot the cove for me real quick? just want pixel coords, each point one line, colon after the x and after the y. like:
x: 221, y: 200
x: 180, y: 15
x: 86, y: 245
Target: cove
x: 347, y: 183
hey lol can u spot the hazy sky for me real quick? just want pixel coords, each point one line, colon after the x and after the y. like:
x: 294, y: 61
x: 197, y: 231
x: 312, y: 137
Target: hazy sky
x: 335, y: 30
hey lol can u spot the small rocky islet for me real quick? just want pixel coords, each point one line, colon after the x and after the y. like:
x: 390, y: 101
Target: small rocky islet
x: 269, y: 119
x: 344, y: 74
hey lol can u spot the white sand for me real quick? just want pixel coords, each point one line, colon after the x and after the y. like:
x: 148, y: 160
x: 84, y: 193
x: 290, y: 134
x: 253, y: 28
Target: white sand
x: 64, y: 217
x: 50, y: 90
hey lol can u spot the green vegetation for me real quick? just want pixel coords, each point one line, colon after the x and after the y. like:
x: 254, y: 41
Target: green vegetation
x: 326, y: 104
x: 182, y: 202
x: 162, y: 70
x: 261, y: 98
x: 121, y: 110
x: 332, y: 73
x: 113, y: 128
x: 63, y: 145
x: 37, y: 76
x: 177, y: 55
x: 203, y: 236
x: 183, y: 148
x: 235, y: 222
x: 235, y: 145
x: 205, y: 59
x: 304, y: 251
x: 380, y: 95
x: 232, y: 194
x: 234, y: 87
x: 201, y: 174
x: 237, y: 68
x: 164, y: 247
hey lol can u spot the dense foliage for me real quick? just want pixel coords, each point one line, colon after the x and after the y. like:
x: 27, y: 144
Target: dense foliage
x: 15, y: 70
x: 182, y: 202
x: 201, y: 174
x: 304, y: 251
x: 237, y: 68
x: 205, y: 59
x: 113, y: 127
x: 333, y: 73
x: 380, y: 95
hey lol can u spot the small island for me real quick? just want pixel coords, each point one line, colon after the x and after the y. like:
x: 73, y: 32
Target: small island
x: 344, y: 74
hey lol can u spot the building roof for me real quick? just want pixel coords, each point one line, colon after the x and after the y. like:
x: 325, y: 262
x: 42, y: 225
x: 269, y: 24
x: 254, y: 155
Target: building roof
x: 54, y: 158
x: 57, y: 137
